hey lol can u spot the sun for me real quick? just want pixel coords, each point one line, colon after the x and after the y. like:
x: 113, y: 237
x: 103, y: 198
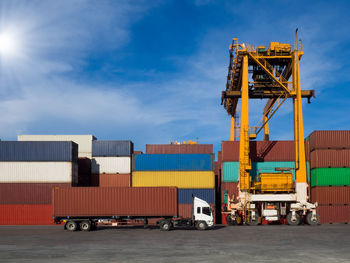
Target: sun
x: 8, y: 44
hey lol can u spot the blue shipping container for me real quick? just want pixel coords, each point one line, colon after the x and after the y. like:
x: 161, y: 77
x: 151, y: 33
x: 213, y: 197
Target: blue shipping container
x: 185, y: 196
x: 38, y: 151
x: 173, y: 162
x: 112, y: 148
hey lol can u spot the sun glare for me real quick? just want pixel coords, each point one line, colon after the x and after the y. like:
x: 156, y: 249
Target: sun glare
x: 7, y: 44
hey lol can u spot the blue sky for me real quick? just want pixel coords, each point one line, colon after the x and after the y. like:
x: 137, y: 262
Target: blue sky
x: 153, y: 71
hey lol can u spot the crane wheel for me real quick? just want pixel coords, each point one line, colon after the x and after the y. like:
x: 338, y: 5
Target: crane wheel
x: 294, y: 222
x: 255, y: 222
x: 312, y: 221
x: 233, y: 222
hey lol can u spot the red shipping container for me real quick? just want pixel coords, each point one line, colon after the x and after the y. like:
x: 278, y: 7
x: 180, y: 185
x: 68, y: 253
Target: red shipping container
x: 26, y: 215
x: 28, y: 193
x: 334, y: 195
x: 334, y: 214
x: 115, y: 201
x: 329, y: 140
x: 231, y: 188
x: 137, y: 152
x: 324, y: 158
x: 115, y: 180
x: 219, y: 156
x: 179, y: 148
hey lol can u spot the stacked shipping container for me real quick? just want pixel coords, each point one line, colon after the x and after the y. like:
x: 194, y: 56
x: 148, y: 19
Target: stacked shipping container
x: 111, y: 163
x: 189, y: 167
x: 330, y: 174
x: 28, y: 172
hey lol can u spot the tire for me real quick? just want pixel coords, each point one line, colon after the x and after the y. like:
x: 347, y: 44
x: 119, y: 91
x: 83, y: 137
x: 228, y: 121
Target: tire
x: 311, y: 222
x: 233, y: 222
x: 201, y: 225
x: 293, y: 223
x: 71, y: 226
x: 85, y: 225
x: 256, y: 221
x: 165, y: 226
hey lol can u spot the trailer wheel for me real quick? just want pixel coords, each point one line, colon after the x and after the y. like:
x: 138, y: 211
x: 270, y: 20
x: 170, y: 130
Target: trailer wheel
x: 71, y: 226
x: 312, y: 221
x: 85, y: 225
x: 294, y: 222
x: 201, y: 225
x: 255, y: 222
x: 165, y: 226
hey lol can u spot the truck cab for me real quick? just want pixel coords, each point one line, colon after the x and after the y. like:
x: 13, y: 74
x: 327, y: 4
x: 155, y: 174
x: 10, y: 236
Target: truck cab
x: 202, y: 212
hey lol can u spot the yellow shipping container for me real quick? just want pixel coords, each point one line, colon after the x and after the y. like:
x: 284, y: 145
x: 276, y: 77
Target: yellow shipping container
x: 180, y: 179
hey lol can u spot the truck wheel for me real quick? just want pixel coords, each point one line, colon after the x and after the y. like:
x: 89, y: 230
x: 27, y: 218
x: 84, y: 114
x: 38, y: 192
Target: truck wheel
x: 256, y: 221
x: 294, y: 222
x: 312, y: 221
x: 201, y: 225
x: 165, y: 226
x: 85, y: 225
x: 72, y: 226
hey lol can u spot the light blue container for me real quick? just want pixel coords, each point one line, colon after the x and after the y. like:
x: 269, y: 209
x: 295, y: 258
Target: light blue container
x: 173, y: 162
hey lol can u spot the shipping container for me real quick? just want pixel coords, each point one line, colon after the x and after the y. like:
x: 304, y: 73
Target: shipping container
x: 38, y: 172
x: 173, y: 162
x: 229, y: 190
x: 330, y: 158
x: 112, y: 148
x: 330, y: 177
x: 180, y: 179
x: 329, y: 140
x: 114, y: 180
x: 230, y: 170
x: 179, y: 148
x: 334, y: 214
x: 13, y: 151
x: 84, y: 141
x: 115, y: 201
x: 111, y: 165
x: 334, y: 195
x: 17, y: 214
x: 185, y: 196
x: 28, y: 193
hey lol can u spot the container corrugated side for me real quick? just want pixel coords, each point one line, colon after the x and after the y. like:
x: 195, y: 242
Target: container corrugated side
x: 330, y: 177
x: 112, y: 148
x: 38, y: 172
x: 173, y: 162
x: 111, y: 165
x: 38, y: 151
x: 180, y: 179
x: 84, y: 141
x: 230, y: 171
x: 185, y: 210
x: 115, y: 201
x: 17, y: 214
x: 179, y: 148
x: 185, y: 196
x: 114, y: 180
x: 335, y: 195
x: 329, y: 139
x: 229, y: 190
x: 28, y: 193
x: 334, y: 213
x: 330, y: 158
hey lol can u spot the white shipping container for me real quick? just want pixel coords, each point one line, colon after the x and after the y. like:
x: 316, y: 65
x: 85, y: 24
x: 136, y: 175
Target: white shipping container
x: 84, y: 141
x: 111, y: 165
x: 38, y: 172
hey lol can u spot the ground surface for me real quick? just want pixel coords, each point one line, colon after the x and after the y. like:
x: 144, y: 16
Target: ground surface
x: 326, y: 243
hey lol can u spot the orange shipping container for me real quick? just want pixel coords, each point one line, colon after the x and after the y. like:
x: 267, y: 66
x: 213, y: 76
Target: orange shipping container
x: 334, y: 195
x: 114, y: 180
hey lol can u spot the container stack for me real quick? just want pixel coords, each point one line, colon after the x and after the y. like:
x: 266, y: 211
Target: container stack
x: 189, y: 167
x: 111, y: 163
x: 265, y: 157
x: 330, y: 175
x: 28, y: 172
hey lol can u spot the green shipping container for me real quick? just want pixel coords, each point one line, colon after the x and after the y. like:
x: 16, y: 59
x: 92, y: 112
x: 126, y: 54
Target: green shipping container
x: 330, y: 176
x: 230, y: 169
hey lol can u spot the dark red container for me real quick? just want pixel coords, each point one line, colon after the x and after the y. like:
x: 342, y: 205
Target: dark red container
x: 329, y: 140
x: 137, y: 152
x: 219, y: 156
x: 26, y: 215
x: 115, y: 201
x: 115, y: 180
x: 179, y: 148
x: 323, y: 158
x: 334, y: 195
x: 334, y: 214
x: 28, y: 193
x: 232, y: 189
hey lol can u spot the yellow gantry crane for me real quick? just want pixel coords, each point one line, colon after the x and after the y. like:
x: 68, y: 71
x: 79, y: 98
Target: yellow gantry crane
x: 267, y: 73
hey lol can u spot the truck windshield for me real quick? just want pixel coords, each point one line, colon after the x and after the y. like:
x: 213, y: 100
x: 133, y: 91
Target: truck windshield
x: 206, y: 211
